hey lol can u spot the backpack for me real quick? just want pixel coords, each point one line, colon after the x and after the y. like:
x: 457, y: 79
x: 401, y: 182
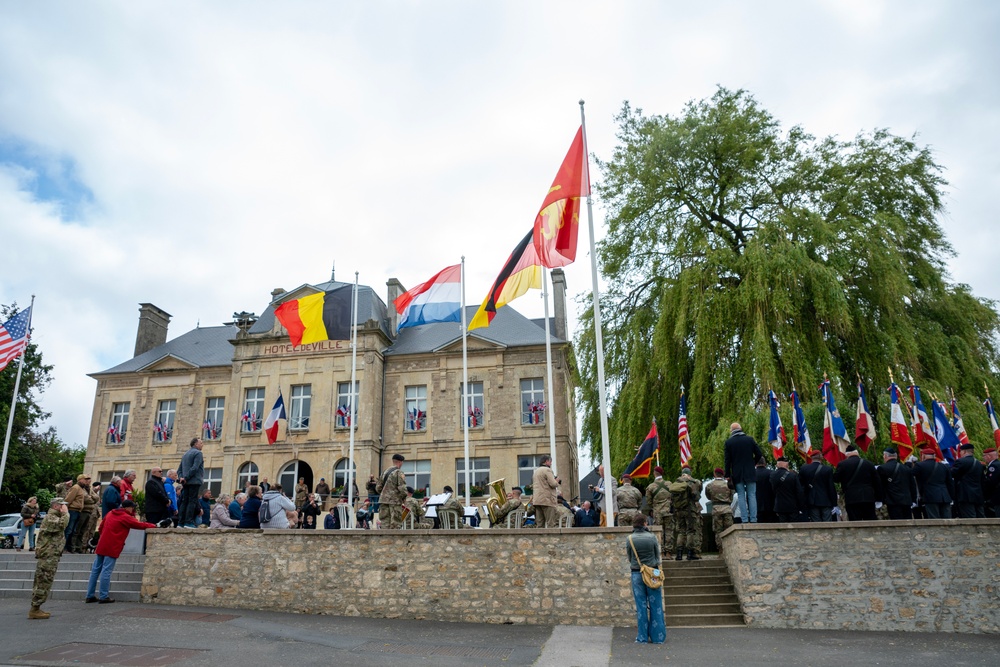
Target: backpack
x: 680, y: 494
x: 265, y: 513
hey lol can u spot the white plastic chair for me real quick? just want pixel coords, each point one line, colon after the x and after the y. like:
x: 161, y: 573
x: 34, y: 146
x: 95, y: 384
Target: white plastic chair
x: 449, y: 520
x: 565, y: 522
x: 515, y: 519
x: 345, y: 515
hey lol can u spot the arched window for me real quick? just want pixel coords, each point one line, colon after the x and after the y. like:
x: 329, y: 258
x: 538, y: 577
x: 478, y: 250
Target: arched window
x: 247, y: 475
x: 340, y: 473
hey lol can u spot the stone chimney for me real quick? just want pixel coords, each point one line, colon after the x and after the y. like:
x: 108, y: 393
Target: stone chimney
x: 559, y: 304
x: 153, y: 323
x: 396, y: 290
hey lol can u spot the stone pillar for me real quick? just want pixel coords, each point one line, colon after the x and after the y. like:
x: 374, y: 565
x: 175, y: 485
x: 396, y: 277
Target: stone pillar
x: 559, y: 304
x: 153, y: 323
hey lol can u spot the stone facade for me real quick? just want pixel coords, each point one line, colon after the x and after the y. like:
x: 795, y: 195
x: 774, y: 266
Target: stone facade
x: 912, y: 576
x: 538, y: 577
x: 258, y: 357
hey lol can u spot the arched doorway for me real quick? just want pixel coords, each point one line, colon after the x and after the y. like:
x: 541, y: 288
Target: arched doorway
x: 340, y: 475
x: 289, y: 477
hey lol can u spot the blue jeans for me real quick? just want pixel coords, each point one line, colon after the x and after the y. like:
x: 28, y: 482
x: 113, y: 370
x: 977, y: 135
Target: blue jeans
x: 648, y: 611
x: 30, y: 531
x: 746, y: 495
x: 103, y: 566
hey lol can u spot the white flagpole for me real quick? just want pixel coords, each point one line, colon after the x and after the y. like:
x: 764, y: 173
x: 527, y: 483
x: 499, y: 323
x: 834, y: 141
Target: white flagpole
x: 13, y: 400
x: 609, y: 502
x: 465, y: 388
x: 350, y: 409
x: 548, y: 366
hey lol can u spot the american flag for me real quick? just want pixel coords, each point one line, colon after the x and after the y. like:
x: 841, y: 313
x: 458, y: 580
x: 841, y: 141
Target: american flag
x: 14, y: 337
x: 683, y: 437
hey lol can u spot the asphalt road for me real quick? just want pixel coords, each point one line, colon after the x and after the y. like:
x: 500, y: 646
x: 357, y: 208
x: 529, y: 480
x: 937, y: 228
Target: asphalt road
x: 136, y: 634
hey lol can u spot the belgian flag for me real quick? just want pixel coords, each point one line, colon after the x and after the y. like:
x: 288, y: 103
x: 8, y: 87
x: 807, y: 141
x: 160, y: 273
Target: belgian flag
x: 522, y: 272
x: 642, y: 464
x: 323, y: 316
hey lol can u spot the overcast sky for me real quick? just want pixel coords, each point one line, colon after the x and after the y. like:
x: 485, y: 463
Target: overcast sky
x: 198, y: 155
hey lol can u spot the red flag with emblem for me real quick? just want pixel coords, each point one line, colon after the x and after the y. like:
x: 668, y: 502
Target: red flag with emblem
x: 558, y: 221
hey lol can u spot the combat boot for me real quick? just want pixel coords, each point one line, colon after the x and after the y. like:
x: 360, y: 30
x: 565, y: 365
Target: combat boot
x: 692, y: 555
x: 680, y: 554
x: 37, y: 613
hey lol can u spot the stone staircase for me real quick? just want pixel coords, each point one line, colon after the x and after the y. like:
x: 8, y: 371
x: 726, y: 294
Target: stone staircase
x: 17, y: 573
x: 699, y: 593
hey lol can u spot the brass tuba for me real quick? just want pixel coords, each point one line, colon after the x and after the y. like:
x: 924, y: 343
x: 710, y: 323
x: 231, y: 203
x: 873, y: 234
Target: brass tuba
x: 494, y: 503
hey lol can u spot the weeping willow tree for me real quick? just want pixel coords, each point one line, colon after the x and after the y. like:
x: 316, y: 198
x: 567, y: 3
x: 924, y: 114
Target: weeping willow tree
x: 741, y: 257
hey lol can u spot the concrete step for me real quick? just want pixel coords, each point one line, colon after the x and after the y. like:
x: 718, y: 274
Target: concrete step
x: 703, y: 620
x: 708, y: 579
x: 700, y: 608
x: 705, y: 561
x: 60, y: 594
x: 67, y: 575
x: 700, y: 598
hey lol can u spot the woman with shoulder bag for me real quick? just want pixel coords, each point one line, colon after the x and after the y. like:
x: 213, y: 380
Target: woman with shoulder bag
x: 644, y: 554
x: 29, y: 515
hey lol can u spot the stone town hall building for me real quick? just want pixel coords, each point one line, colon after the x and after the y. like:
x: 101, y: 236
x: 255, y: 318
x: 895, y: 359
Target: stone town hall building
x: 220, y: 383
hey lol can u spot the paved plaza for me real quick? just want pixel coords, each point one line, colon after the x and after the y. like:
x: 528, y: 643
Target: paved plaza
x: 137, y: 634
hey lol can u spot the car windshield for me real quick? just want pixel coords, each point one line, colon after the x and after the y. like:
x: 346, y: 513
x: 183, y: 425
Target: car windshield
x: 9, y: 520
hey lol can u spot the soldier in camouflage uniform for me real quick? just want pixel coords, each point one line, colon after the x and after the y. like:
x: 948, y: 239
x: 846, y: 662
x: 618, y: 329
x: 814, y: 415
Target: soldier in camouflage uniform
x: 513, y: 504
x: 629, y: 499
x: 686, y: 506
x: 417, y: 511
x: 455, y: 506
x: 721, y: 497
x: 94, y: 503
x: 78, y: 544
x: 48, y: 550
x: 392, y: 490
x: 658, y: 499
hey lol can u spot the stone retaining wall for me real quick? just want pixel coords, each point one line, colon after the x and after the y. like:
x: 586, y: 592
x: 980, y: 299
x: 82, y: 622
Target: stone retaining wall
x: 576, y: 576
x: 913, y: 576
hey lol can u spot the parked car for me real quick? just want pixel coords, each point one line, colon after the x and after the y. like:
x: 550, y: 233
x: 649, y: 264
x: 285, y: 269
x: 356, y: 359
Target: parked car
x: 10, y: 526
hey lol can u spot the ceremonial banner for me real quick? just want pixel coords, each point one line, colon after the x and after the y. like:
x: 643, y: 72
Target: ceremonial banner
x: 899, y: 430
x: 558, y: 221
x: 800, y: 432
x: 683, y: 437
x: 642, y: 465
x: 864, y: 428
x: 835, y: 440
x: 776, y: 433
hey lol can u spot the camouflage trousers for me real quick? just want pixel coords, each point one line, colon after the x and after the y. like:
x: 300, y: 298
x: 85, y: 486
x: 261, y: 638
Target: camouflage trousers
x: 423, y: 525
x: 687, y: 531
x: 391, y: 516
x: 45, y: 574
x: 89, y: 531
x: 720, y: 522
x: 626, y: 515
x: 666, y: 523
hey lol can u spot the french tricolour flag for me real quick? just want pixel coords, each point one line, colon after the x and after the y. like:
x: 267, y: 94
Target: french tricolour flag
x: 437, y: 300
x: 271, y: 423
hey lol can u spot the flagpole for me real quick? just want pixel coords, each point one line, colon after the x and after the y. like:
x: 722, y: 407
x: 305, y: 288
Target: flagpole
x: 657, y: 443
x: 13, y: 400
x: 548, y: 367
x: 465, y: 388
x: 354, y: 375
x: 598, y: 334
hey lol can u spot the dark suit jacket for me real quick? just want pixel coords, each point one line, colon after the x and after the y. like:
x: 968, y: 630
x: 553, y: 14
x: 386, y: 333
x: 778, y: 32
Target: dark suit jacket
x: 765, y: 494
x: 157, y: 499
x: 788, y: 496
x: 967, y: 473
x: 742, y: 453
x: 859, y: 481
x: 817, y: 482
x: 991, y: 483
x: 585, y: 519
x: 897, y: 483
x: 934, y: 481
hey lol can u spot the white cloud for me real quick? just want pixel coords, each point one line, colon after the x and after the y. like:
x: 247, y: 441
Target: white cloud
x: 232, y: 150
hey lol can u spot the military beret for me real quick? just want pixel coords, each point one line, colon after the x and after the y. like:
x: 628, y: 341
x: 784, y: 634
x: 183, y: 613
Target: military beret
x: 518, y: 489
x: 448, y: 489
x: 928, y: 451
x: 989, y: 450
x: 627, y: 476
x: 816, y: 454
x: 658, y: 470
x: 398, y: 457
x: 719, y: 472
x: 890, y: 450
x: 967, y: 445
x: 409, y: 489
x: 851, y: 448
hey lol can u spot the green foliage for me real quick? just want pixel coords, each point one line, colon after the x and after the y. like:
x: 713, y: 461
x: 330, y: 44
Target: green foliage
x: 36, y: 459
x: 139, y: 498
x: 44, y: 497
x: 741, y: 257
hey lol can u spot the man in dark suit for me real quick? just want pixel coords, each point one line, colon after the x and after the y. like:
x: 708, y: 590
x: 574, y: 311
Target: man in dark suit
x: 765, y: 494
x: 586, y: 516
x: 935, y: 485
x: 788, y: 496
x: 741, y: 454
x: 967, y: 473
x: 898, y: 485
x: 859, y: 484
x: 817, y: 482
x: 157, y: 500
x: 991, y: 482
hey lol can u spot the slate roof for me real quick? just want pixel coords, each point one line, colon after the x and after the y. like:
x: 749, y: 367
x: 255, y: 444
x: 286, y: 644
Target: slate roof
x: 202, y: 347
x: 508, y: 329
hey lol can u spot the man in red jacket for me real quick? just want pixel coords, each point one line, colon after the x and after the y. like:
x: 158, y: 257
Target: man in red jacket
x: 114, y: 532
